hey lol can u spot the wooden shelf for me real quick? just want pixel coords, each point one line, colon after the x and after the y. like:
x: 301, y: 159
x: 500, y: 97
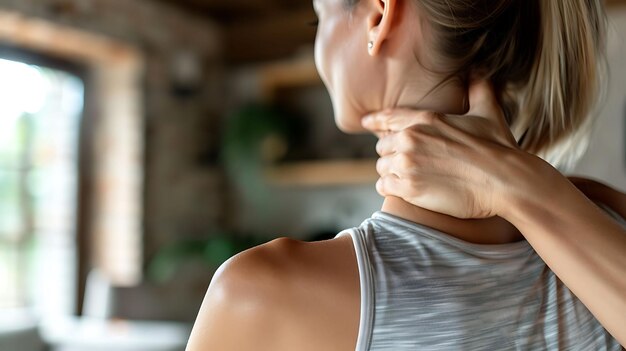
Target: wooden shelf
x: 293, y: 74
x: 299, y: 72
x: 323, y: 173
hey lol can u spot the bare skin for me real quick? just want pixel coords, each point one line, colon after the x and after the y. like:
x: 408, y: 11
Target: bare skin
x: 427, y: 162
x: 294, y: 295
x: 290, y: 295
x: 283, y: 295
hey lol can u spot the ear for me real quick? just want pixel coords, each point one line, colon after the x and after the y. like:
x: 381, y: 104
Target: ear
x: 382, y: 14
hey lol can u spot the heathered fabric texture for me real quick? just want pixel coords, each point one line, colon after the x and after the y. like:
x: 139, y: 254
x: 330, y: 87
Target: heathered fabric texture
x: 422, y: 289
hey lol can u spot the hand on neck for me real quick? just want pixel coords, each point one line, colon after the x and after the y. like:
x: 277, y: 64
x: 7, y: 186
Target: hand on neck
x: 487, y: 231
x: 412, y: 86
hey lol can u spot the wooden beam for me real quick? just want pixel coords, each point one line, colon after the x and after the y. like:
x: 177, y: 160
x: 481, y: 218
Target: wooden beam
x: 277, y: 36
x: 611, y: 3
x: 287, y: 74
x: 235, y: 7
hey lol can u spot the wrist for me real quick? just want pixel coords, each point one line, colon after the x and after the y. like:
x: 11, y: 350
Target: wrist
x: 529, y: 182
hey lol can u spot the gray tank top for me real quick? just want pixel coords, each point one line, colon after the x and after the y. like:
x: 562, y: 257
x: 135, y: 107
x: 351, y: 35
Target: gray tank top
x: 422, y: 289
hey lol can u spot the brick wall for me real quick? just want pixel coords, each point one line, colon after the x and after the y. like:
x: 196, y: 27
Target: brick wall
x: 182, y: 186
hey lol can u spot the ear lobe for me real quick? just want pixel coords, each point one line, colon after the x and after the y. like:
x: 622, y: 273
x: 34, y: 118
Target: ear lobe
x: 379, y: 23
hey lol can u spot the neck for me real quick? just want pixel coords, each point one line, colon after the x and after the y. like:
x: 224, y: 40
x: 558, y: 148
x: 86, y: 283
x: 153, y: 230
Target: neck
x: 487, y: 231
x: 449, y: 99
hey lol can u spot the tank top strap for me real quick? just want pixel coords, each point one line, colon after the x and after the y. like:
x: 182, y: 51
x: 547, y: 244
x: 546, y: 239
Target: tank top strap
x: 366, y: 278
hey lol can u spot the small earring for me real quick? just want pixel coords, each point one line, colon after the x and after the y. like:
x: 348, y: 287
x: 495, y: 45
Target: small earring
x: 370, y: 45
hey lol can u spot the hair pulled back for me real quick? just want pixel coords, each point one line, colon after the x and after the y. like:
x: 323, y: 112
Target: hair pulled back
x: 546, y: 59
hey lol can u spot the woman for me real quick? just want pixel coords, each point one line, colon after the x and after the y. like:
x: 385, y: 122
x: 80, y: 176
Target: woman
x: 448, y: 263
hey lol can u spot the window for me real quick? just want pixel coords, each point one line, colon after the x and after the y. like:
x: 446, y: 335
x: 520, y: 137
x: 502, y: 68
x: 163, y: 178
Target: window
x: 39, y: 131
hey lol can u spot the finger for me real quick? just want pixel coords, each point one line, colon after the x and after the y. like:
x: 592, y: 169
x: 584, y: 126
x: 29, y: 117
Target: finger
x: 395, y: 120
x: 396, y: 164
x: 386, y: 145
x: 403, y: 165
x: 384, y: 165
x: 413, y: 139
x: 393, y: 165
x: 389, y: 185
x: 405, y: 140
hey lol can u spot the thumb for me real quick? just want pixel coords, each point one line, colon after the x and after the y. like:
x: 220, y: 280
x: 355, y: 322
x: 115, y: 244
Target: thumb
x: 395, y: 120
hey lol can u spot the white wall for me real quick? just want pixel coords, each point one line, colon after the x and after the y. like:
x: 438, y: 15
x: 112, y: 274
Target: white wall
x: 606, y: 158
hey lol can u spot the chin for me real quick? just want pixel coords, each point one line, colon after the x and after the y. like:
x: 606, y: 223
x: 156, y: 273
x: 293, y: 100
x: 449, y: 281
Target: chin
x: 349, y: 123
x: 349, y: 126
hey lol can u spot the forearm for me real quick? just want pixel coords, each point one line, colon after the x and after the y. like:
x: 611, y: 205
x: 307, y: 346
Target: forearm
x: 582, y: 245
x: 598, y: 191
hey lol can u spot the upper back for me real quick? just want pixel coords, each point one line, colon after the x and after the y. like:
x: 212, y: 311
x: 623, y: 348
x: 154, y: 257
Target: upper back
x: 395, y: 285
x: 423, y: 289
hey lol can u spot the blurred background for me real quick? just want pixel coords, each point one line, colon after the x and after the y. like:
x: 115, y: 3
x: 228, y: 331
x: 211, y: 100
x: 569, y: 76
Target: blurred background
x: 144, y: 142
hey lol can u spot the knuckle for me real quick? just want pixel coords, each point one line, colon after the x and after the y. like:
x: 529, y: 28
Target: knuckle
x: 380, y: 186
x: 382, y: 123
x: 405, y: 138
x: 405, y: 160
x: 430, y: 117
x: 379, y: 147
x: 379, y: 166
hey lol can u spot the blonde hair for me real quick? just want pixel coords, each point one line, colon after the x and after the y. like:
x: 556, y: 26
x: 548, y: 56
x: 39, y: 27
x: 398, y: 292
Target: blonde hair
x: 545, y: 57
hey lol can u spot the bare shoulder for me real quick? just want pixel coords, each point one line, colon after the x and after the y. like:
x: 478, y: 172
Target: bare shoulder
x: 597, y: 190
x: 282, y: 295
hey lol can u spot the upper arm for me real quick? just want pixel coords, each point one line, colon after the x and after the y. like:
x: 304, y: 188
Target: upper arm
x: 241, y: 309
